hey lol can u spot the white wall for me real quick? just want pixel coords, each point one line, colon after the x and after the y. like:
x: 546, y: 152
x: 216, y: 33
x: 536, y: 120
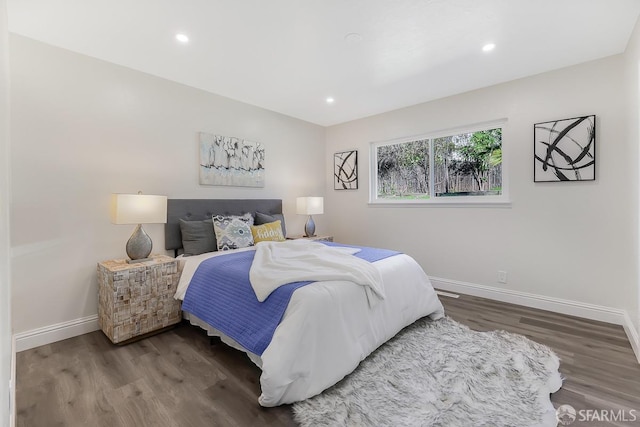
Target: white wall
x: 83, y: 128
x: 5, y: 295
x: 632, y: 81
x: 575, y: 241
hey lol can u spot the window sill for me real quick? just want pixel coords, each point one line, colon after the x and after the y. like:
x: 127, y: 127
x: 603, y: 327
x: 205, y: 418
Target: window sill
x: 495, y: 203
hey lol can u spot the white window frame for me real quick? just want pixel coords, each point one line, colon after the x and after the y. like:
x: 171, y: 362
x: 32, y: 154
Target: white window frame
x: 501, y: 200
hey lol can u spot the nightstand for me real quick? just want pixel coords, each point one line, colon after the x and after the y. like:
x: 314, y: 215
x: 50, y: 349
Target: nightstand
x: 136, y: 300
x: 314, y: 238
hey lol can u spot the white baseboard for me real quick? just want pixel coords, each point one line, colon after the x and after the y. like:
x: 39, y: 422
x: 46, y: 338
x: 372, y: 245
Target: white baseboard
x: 632, y: 334
x: 57, y: 332
x: 557, y: 305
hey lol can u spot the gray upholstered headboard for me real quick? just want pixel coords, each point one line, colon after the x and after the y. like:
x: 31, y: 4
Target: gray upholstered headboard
x: 199, y: 209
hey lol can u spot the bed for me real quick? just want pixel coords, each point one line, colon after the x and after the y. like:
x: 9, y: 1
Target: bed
x: 327, y: 328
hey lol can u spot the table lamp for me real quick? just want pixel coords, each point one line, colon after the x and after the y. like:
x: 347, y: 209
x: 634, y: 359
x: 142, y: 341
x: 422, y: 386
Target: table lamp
x: 310, y: 206
x: 138, y: 209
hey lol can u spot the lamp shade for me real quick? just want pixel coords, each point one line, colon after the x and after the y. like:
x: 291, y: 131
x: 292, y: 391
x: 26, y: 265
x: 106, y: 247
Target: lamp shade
x: 138, y: 209
x: 309, y: 205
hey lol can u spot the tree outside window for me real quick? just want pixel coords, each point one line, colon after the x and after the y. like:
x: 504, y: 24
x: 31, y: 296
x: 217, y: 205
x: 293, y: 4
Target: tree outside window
x: 461, y: 164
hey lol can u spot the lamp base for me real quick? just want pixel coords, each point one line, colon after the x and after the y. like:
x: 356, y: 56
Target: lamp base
x: 310, y: 228
x: 134, y: 261
x: 139, y: 245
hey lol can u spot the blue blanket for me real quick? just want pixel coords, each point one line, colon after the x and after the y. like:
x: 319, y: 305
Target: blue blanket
x: 220, y: 293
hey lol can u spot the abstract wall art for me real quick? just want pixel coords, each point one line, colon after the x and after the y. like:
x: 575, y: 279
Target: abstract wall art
x: 565, y: 150
x: 345, y: 170
x: 226, y: 160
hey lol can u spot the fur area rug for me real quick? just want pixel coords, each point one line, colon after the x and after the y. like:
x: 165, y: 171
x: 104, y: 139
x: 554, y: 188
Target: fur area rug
x: 441, y: 373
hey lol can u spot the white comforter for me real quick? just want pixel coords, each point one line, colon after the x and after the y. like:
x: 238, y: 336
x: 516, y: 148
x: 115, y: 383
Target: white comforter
x: 328, y: 327
x: 279, y: 263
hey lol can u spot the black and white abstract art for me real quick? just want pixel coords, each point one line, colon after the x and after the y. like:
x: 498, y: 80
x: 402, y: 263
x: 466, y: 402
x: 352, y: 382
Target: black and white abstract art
x: 565, y: 150
x: 225, y: 160
x: 345, y: 170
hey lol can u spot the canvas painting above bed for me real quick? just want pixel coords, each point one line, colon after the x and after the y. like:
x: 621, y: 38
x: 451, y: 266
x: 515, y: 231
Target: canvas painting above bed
x: 230, y: 161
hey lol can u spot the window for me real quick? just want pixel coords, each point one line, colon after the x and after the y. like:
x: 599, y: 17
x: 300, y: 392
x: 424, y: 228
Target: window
x: 451, y: 167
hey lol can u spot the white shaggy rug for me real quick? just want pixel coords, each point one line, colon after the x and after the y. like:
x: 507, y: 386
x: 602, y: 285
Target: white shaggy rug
x: 441, y: 373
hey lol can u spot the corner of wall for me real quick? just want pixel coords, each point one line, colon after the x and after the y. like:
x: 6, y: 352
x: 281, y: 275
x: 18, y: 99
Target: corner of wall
x: 632, y: 80
x: 12, y: 385
x: 7, y: 364
x: 630, y: 328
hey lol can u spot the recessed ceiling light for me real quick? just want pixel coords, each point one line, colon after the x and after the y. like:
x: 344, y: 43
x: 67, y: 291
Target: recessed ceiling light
x: 183, y: 38
x: 488, y: 47
x: 330, y: 100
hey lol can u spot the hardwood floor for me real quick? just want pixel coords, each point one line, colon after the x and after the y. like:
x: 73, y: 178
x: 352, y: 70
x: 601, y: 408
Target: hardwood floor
x: 178, y: 379
x: 597, y: 362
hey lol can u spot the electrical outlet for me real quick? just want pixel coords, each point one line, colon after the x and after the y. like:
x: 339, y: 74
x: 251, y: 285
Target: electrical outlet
x: 502, y: 277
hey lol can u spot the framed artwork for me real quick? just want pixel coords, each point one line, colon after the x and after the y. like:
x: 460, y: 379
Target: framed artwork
x: 345, y: 170
x: 565, y: 150
x: 226, y: 160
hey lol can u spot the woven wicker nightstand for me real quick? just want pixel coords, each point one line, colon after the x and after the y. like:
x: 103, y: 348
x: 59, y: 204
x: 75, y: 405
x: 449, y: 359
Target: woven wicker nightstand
x: 135, y: 300
x: 314, y: 238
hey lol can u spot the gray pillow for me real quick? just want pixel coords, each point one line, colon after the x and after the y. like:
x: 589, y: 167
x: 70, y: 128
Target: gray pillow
x: 198, y: 237
x: 263, y: 218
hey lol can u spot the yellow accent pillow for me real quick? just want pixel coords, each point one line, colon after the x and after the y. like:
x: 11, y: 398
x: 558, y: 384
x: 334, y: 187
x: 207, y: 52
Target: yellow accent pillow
x: 271, y: 231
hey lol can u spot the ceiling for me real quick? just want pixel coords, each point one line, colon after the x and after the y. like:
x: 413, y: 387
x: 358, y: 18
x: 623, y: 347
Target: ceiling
x: 290, y: 55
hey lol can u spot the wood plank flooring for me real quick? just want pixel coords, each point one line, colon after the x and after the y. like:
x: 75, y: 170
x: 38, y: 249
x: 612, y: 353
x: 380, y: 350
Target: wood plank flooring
x: 597, y: 362
x: 178, y: 379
